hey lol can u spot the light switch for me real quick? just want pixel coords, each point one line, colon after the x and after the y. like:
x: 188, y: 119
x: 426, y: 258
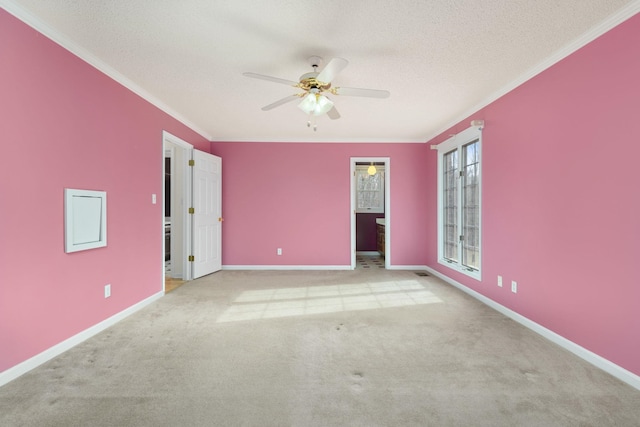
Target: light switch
x: 154, y: 199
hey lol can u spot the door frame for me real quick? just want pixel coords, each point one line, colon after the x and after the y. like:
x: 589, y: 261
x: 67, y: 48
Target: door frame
x: 387, y: 206
x: 169, y: 141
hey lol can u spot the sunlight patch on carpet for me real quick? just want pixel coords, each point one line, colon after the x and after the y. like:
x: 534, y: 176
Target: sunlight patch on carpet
x: 286, y: 302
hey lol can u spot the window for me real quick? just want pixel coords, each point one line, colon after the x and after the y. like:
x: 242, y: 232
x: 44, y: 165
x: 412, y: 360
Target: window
x: 369, y: 190
x: 459, y: 202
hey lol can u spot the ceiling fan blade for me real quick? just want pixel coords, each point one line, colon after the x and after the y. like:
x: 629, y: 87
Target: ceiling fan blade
x: 369, y: 93
x: 271, y: 79
x: 333, y: 114
x: 332, y: 69
x: 280, y: 102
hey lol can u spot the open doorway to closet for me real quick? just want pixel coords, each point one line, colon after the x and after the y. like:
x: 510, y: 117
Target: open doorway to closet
x: 370, y: 213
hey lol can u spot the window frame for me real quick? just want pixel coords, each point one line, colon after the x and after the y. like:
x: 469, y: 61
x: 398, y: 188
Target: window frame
x: 380, y: 171
x: 457, y: 143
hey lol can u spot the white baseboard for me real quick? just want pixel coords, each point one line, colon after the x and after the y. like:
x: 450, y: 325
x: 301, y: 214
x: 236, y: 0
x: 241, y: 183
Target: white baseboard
x: 314, y: 267
x: 37, y: 360
x: 286, y: 267
x: 598, y: 361
x: 406, y: 267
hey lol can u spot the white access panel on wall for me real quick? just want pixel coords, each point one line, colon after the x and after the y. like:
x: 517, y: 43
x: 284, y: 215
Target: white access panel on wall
x: 207, y: 213
x: 85, y: 219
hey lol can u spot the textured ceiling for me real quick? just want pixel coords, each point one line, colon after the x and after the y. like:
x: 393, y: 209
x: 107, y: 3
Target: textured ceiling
x: 440, y: 59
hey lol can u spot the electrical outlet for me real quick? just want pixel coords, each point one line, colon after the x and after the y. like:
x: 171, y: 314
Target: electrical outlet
x: 279, y: 251
x: 514, y: 286
x: 107, y: 291
x: 154, y: 199
x: 500, y: 281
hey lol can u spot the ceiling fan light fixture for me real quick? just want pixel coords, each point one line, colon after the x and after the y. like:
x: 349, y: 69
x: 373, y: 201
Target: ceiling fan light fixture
x: 314, y: 85
x: 315, y: 104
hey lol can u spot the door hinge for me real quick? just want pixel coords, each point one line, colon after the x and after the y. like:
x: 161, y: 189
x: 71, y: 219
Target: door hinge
x: 461, y: 238
x: 192, y: 211
x: 192, y: 162
x: 461, y: 174
x: 191, y: 258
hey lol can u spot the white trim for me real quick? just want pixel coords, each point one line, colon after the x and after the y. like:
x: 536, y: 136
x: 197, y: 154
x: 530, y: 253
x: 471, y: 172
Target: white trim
x: 598, y: 361
x: 170, y: 153
x: 459, y: 139
x: 612, y: 21
x: 315, y: 267
x: 37, y: 360
x: 406, y: 267
x: 286, y: 267
x: 387, y: 206
x: 316, y: 140
x: 66, y: 43
x: 168, y: 137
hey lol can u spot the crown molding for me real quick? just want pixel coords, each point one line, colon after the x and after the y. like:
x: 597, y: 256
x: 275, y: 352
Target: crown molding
x: 612, y: 21
x: 66, y: 43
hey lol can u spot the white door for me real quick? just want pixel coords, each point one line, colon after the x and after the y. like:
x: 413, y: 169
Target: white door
x: 207, y: 213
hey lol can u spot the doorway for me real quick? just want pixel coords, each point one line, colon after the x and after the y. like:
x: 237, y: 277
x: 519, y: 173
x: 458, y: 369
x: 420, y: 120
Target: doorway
x: 192, y: 194
x: 372, y: 211
x: 176, y: 191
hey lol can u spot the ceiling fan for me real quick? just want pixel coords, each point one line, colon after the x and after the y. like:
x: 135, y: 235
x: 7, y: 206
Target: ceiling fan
x: 316, y: 85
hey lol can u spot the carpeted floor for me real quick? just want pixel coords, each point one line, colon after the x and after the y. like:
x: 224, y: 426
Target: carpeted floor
x: 344, y: 348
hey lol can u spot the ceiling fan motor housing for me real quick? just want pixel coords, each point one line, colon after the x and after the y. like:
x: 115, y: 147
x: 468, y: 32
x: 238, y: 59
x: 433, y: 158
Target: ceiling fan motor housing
x: 308, y: 81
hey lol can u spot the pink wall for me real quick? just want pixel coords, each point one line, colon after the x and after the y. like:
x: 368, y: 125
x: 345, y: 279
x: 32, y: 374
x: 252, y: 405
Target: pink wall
x: 561, y: 212
x: 560, y: 209
x: 296, y: 196
x: 65, y: 124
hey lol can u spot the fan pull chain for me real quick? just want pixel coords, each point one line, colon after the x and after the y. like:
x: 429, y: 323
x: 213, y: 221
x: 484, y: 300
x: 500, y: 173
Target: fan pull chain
x: 315, y: 125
